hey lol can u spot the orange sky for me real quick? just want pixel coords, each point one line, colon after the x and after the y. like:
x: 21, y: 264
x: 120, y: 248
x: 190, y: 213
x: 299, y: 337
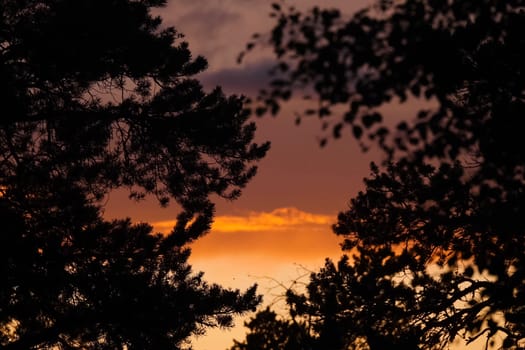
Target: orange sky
x: 280, y: 235
x: 280, y: 227
x: 272, y: 249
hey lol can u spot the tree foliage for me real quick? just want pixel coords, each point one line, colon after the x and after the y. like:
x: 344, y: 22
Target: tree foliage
x: 99, y: 95
x: 464, y: 56
x: 435, y: 241
x: 268, y: 332
x: 430, y: 263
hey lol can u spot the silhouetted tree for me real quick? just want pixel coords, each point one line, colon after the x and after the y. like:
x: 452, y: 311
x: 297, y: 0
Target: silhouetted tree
x: 464, y: 56
x: 437, y: 235
x: 103, y: 285
x: 355, y: 306
x: 268, y: 332
x: 98, y: 95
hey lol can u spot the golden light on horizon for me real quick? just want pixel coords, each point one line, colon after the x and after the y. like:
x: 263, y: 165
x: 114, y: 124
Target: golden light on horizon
x: 277, y: 220
x: 285, y: 233
x: 275, y: 249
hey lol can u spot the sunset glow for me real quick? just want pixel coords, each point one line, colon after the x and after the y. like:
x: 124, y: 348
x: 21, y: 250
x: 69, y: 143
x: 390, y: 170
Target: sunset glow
x: 284, y: 232
x: 276, y: 220
x: 275, y: 250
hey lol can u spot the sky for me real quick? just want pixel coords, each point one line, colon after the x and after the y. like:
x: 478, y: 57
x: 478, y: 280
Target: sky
x: 279, y: 230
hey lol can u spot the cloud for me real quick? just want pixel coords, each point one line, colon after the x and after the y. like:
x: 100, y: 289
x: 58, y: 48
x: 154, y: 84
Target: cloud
x: 278, y: 220
x: 207, y: 21
x: 285, y: 233
x: 207, y: 27
x: 243, y: 79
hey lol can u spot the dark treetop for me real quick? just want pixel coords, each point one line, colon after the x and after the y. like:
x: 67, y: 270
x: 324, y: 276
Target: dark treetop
x: 97, y: 95
x: 436, y: 238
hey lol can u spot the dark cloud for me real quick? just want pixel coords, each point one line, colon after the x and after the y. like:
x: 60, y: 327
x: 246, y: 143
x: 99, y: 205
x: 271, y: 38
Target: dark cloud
x: 219, y: 29
x: 207, y: 26
x: 208, y: 22
x: 245, y: 79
